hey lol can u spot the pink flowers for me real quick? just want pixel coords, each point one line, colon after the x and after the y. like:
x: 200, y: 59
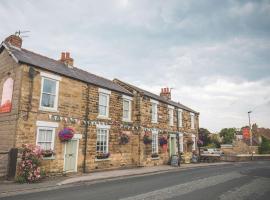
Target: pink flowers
x: 66, y: 134
x: 29, y: 166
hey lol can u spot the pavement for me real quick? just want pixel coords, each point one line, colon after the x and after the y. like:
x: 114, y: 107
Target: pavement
x: 9, y: 188
x: 239, y: 181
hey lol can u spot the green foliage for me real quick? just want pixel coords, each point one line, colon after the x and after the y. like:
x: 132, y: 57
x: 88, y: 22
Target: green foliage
x: 228, y: 135
x: 264, y: 148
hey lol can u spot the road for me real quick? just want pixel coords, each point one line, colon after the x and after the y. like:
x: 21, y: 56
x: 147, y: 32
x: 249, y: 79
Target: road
x: 236, y: 181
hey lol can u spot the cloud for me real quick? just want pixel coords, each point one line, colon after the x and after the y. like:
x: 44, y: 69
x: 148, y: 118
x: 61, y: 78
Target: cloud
x: 215, y: 55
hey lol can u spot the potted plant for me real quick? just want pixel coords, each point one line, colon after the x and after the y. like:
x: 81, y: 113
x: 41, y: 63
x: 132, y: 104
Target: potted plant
x: 147, y: 139
x: 66, y: 134
x: 47, y: 153
x: 154, y: 155
x: 123, y: 139
x: 102, y: 155
x: 163, y: 140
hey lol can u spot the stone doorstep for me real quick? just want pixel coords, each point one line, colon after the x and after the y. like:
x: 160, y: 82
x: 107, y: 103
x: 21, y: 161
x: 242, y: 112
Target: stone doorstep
x: 8, y: 188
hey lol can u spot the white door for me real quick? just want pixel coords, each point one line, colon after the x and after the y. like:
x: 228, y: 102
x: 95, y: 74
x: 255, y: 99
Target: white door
x: 71, y: 151
x: 173, y: 149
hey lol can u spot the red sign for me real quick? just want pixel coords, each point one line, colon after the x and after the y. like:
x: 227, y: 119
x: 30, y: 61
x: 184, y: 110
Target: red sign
x: 245, y: 133
x: 6, y: 100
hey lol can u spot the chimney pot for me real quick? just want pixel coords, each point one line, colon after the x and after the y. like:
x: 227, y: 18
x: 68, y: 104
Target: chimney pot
x: 67, y: 55
x: 166, y: 93
x: 66, y: 59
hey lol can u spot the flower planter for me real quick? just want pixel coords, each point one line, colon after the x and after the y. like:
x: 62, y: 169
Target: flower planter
x: 154, y: 155
x: 66, y: 134
x: 163, y: 141
x: 47, y: 153
x: 102, y: 155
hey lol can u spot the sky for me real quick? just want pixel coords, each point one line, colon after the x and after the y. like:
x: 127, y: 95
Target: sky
x: 214, y: 54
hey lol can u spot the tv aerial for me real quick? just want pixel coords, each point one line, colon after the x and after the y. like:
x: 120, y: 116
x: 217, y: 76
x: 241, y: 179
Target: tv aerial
x: 21, y: 33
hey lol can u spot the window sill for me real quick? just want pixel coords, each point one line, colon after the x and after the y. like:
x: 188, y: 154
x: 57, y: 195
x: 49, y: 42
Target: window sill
x: 100, y: 160
x: 156, y: 158
x: 49, y: 158
x: 153, y: 122
x: 103, y: 117
x: 48, y: 109
x: 127, y: 120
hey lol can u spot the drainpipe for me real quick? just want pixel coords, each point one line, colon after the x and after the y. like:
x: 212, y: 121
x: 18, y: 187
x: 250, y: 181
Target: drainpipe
x: 177, y: 138
x: 86, y: 127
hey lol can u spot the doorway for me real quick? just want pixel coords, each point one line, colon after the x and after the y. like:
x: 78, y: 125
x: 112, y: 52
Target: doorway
x: 71, y: 155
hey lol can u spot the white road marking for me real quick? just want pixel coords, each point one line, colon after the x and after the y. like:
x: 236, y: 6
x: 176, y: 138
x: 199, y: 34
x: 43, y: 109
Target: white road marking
x: 256, y: 187
x: 177, y: 190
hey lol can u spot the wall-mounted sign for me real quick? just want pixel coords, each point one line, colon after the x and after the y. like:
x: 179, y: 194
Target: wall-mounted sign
x: 6, y: 101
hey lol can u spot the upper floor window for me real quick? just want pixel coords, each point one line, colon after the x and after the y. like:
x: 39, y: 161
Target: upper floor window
x: 127, y: 103
x: 49, y: 92
x: 180, y: 118
x: 154, y: 110
x: 104, y: 99
x: 192, y: 120
x: 171, y: 115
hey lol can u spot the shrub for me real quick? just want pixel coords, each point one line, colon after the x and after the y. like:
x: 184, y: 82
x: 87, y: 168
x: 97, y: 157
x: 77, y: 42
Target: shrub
x: 264, y: 148
x: 29, y: 166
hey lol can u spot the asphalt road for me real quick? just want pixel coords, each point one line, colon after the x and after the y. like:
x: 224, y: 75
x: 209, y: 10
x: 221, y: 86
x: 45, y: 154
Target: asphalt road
x: 236, y: 181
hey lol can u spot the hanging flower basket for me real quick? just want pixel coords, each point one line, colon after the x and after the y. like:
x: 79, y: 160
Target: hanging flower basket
x: 102, y: 155
x: 163, y: 140
x: 123, y: 139
x: 47, y: 153
x: 66, y: 134
x: 147, y: 139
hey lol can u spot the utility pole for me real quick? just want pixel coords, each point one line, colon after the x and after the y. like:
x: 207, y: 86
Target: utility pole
x: 250, y: 133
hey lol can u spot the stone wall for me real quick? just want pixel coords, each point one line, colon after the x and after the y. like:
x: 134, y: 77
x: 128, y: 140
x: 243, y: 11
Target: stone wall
x: 8, y: 69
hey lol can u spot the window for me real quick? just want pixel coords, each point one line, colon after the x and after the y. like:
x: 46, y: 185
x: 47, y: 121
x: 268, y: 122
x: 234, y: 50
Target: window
x: 154, y: 111
x: 154, y: 142
x: 45, y: 138
x: 104, y: 98
x: 49, y: 92
x: 192, y: 121
x: 194, y: 142
x: 102, y: 140
x: 181, y: 142
x: 127, y: 108
x: 170, y: 115
x: 180, y: 118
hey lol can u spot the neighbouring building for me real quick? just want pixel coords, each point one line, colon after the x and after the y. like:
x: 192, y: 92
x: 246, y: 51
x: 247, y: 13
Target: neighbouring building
x: 40, y: 96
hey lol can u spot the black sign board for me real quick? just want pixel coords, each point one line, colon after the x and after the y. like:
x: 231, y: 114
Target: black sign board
x: 174, y: 160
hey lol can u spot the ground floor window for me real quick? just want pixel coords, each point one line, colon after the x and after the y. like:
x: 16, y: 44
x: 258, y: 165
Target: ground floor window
x: 154, y: 142
x: 45, y: 138
x: 102, y: 141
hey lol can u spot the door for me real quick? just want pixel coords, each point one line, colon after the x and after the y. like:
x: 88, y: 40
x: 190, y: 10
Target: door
x: 172, y: 145
x: 71, y: 151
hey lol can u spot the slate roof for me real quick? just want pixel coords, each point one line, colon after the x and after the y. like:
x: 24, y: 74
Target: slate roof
x: 159, y: 98
x: 27, y: 57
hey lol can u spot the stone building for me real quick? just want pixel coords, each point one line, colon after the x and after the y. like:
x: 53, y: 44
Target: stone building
x: 40, y: 96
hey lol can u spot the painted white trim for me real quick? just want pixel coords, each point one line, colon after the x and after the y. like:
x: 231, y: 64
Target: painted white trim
x: 47, y: 124
x: 154, y: 101
x: 175, y: 145
x: 77, y: 153
x: 171, y: 116
x: 49, y: 109
x: 170, y: 107
x: 51, y: 76
x: 104, y: 91
x: 154, y: 132
x: 102, y: 126
x: 108, y: 104
x: 127, y: 97
x: 180, y: 118
x: 181, y: 142
x: 130, y: 110
x: 77, y: 136
x: 156, y: 116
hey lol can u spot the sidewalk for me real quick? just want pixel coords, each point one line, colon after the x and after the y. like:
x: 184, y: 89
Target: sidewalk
x: 8, y: 188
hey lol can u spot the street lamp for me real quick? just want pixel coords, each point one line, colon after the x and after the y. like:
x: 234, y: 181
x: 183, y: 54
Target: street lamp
x: 250, y: 133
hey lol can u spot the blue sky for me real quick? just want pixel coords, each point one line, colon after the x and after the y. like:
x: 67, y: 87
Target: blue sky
x: 215, y: 54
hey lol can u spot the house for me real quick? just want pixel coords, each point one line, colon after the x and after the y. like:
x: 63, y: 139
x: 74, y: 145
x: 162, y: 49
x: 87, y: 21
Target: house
x: 40, y: 97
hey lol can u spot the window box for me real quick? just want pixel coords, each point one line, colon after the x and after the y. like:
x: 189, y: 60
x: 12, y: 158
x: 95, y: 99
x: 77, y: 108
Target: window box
x: 155, y: 155
x: 102, y: 156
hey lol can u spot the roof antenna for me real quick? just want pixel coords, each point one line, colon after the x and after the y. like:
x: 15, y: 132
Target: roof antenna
x: 21, y: 33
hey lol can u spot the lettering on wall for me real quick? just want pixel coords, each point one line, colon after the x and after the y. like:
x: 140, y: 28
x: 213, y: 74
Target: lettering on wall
x: 6, y: 100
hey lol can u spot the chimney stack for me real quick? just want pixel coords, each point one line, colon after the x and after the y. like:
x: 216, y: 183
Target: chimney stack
x: 14, y: 40
x: 66, y: 59
x: 166, y: 93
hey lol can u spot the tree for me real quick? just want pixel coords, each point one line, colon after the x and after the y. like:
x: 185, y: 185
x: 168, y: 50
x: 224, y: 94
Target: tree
x: 264, y: 148
x: 216, y: 140
x: 204, y: 136
x: 227, y: 135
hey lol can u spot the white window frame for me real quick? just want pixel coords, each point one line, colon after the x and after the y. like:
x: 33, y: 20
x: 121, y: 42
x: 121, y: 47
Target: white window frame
x: 129, y: 100
x: 154, y: 142
x: 51, y: 77
x: 192, y: 121
x: 171, y: 113
x: 154, y: 115
x: 180, y: 118
x: 43, y: 125
x: 194, y: 142
x: 106, y: 93
x: 181, y: 142
x: 107, y: 128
